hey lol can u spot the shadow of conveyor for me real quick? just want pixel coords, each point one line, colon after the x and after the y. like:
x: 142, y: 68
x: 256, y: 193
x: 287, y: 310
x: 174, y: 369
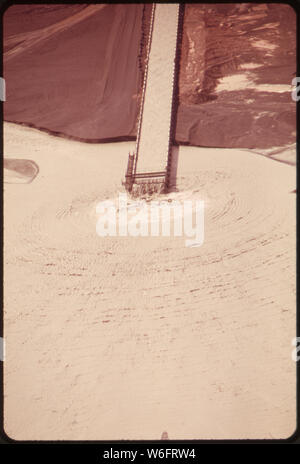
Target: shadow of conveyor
x: 172, y: 170
x: 19, y: 171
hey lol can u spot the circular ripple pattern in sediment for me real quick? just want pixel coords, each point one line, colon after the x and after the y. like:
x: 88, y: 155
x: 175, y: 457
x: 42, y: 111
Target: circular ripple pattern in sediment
x: 208, y: 328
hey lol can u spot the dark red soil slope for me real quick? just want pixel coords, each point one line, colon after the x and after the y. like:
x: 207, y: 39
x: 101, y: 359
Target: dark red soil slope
x: 76, y: 71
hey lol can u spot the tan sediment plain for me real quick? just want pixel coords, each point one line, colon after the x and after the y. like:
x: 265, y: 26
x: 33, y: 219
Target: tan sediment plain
x: 125, y: 338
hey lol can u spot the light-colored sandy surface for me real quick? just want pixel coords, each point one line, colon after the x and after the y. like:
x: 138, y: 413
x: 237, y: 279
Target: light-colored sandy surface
x: 153, y: 145
x: 115, y: 338
x: 243, y: 81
